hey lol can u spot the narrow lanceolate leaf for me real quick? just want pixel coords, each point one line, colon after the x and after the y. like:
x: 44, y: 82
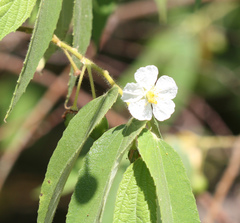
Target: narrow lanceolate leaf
x: 45, y: 25
x: 67, y: 151
x: 13, y: 14
x: 82, y: 24
x: 177, y: 203
x: 82, y: 29
x: 62, y: 25
x: 98, y: 171
x: 162, y: 9
x: 136, y: 197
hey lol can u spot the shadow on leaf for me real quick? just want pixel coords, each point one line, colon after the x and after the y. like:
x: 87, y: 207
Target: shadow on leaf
x: 86, y: 186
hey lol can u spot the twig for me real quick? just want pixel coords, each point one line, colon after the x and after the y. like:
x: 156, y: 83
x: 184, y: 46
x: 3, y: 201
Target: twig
x: 91, y: 81
x: 207, y: 114
x: 225, y: 183
x: 53, y: 119
x: 74, y: 106
x: 85, y: 61
x: 74, y: 66
x: 205, y: 200
x: 28, y: 129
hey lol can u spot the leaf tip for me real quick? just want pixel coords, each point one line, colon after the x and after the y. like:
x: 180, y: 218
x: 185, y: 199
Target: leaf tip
x: 6, y: 116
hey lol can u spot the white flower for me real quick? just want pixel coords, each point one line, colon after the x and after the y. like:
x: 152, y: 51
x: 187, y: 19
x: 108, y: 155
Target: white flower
x: 145, y: 98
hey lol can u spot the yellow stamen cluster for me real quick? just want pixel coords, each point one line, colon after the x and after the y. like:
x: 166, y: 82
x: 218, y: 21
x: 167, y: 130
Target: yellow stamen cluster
x: 151, y: 97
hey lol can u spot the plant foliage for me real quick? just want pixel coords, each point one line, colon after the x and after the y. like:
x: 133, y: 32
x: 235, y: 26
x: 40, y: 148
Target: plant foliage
x: 155, y: 186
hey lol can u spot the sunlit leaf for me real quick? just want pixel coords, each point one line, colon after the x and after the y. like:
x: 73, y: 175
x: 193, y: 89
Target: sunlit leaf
x: 67, y: 151
x: 62, y: 28
x: 174, y: 193
x: 99, y: 168
x: 136, y: 197
x: 42, y: 34
x: 13, y: 14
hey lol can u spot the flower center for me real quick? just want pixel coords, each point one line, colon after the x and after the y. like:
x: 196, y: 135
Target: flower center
x: 151, y: 97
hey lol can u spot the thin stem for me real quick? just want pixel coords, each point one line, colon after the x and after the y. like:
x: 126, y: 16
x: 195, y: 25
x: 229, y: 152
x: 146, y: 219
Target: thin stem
x: 86, y: 61
x: 149, y: 125
x: 74, y: 106
x: 91, y: 81
x: 105, y: 74
x: 74, y: 66
x: 160, y: 134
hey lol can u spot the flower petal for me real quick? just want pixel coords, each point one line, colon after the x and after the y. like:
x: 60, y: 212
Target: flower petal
x: 163, y: 109
x: 132, y: 92
x: 166, y: 87
x: 141, y: 110
x: 146, y: 76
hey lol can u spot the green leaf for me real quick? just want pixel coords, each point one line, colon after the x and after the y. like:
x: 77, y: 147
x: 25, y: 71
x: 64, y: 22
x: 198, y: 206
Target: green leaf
x: 107, y: 215
x: 136, y: 197
x: 177, y: 203
x: 98, y: 171
x: 67, y: 151
x: 13, y: 14
x: 155, y: 127
x: 42, y: 34
x: 62, y: 26
x: 73, y: 176
x: 100, y: 129
x: 162, y: 10
x: 33, y: 16
x: 82, y: 30
x: 82, y: 24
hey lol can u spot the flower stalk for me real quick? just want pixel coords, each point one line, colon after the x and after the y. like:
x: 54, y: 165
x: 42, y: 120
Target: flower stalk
x: 74, y: 106
x: 91, y: 81
x: 85, y: 61
x: 74, y: 66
